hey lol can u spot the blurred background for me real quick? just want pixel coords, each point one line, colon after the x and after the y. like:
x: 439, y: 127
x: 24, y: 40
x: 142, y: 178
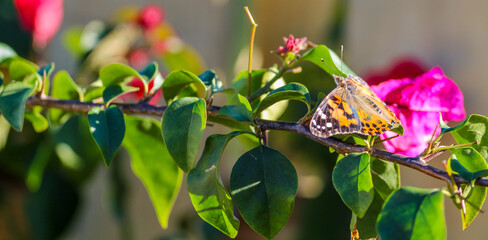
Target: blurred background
x: 377, y: 36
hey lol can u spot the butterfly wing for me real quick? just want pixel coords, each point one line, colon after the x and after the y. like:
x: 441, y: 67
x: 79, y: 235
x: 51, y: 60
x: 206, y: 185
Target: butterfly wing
x: 374, y: 115
x: 335, y: 115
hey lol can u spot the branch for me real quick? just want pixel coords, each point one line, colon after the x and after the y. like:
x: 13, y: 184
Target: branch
x: 339, y: 146
x: 344, y: 147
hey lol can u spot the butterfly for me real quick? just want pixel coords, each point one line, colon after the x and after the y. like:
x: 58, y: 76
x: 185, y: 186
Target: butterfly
x: 352, y: 107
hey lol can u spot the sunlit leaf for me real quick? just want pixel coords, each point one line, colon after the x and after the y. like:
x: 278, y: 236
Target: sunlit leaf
x: 176, y: 82
x: 468, y: 163
x: 153, y: 165
x: 473, y: 130
x: 413, y: 213
x: 209, y: 197
x: 332, y: 63
x: 39, y: 122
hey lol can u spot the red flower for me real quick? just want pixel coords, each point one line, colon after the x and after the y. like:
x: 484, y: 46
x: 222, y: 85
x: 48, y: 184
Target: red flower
x: 403, y: 68
x: 417, y: 103
x: 292, y: 45
x: 42, y: 18
x: 136, y: 96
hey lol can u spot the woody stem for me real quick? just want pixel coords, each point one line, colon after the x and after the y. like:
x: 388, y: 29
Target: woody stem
x: 339, y: 146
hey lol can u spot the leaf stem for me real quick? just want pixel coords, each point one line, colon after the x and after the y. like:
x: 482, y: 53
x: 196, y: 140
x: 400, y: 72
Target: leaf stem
x: 444, y: 148
x: 251, y: 46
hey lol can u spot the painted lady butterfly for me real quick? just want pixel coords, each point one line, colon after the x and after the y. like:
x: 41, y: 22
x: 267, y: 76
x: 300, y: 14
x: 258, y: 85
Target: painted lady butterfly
x: 352, y: 107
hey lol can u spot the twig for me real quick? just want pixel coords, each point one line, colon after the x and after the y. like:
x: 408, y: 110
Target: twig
x: 341, y: 147
x: 267, y: 86
x: 251, y: 46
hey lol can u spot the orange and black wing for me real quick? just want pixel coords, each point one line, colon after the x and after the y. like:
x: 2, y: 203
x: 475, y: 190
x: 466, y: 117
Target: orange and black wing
x: 375, y: 117
x: 335, y: 115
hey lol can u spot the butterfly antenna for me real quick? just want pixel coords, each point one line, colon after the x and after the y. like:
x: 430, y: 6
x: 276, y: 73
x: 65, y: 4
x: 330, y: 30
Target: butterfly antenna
x: 342, y: 51
x: 321, y: 59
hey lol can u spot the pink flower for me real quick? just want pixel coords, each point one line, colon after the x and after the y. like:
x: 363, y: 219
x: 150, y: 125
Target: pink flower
x: 417, y: 103
x: 42, y: 18
x: 139, y: 58
x: 292, y: 45
x: 151, y: 16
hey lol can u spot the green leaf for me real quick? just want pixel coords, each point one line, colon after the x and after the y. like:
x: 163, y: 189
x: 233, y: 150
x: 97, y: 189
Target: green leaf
x: 264, y: 185
x: 93, y: 91
x: 182, y: 125
x: 149, y: 72
x: 152, y: 164
x: 473, y: 130
x: 386, y: 177
x: 178, y: 81
x: 241, y: 111
x: 25, y: 71
x: 398, y: 129
x: 413, y: 213
x: 209, y: 197
x: 66, y: 89
x: 291, y: 91
x: 47, y: 69
x: 12, y: 103
x: 469, y: 163
x: 466, y: 162
x: 1, y: 80
x: 275, y: 111
x: 446, y: 129
x: 211, y: 81
x: 116, y: 73
x: 332, y: 63
x: 366, y: 225
x: 352, y: 180
x: 108, y: 129
x: 112, y: 92
x: 6, y: 52
x: 39, y: 122
x: 20, y: 68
